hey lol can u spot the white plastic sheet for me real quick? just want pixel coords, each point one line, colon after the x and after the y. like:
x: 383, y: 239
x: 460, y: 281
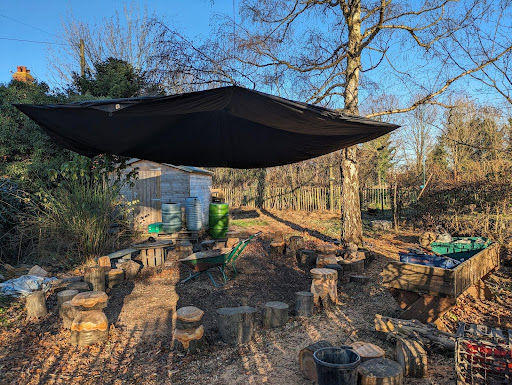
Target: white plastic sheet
x: 25, y: 285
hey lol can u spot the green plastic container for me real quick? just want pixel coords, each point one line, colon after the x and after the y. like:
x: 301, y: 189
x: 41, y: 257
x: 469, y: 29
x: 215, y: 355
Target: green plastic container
x: 155, y: 227
x: 218, y: 220
x: 462, y: 248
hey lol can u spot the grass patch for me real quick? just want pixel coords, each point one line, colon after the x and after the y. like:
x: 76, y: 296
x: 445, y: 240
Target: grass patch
x: 248, y: 222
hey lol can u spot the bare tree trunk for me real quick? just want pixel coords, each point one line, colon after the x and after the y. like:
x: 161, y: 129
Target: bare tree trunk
x: 351, y: 226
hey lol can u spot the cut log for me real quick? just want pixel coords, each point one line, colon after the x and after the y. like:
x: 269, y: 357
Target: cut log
x: 236, y: 324
x: 275, y: 314
x: 295, y: 243
x: 105, y: 263
x: 412, y: 356
x: 304, y: 304
x: 306, y: 259
x: 89, y: 327
x: 323, y: 260
x: 327, y: 249
x: 352, y: 266
x: 189, y: 317
x: 95, y: 277
x: 80, y: 286
x: 359, y: 279
x: 131, y: 269
x: 115, y: 277
x: 36, y: 305
x: 338, y: 268
x: 276, y: 249
x: 307, y: 363
x: 65, y: 295
x: 380, y: 371
x: 367, y: 351
x: 324, y: 287
x: 278, y: 236
x: 189, y: 333
x: 428, y: 335
x: 67, y: 313
x: 90, y: 300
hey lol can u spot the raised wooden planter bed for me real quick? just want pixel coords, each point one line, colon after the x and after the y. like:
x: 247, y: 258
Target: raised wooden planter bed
x: 426, y: 293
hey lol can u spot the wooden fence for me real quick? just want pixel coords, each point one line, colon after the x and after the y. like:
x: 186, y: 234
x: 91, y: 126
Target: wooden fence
x: 305, y: 198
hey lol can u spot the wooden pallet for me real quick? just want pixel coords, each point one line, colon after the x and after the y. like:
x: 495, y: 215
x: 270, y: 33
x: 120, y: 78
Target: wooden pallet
x: 183, y: 235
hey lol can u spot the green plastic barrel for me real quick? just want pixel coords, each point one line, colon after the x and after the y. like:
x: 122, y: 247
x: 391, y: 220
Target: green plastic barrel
x: 219, y: 220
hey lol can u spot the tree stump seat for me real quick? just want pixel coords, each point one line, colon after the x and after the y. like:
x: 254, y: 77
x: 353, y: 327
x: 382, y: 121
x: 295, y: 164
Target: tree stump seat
x: 304, y: 304
x: 295, y: 243
x: 189, y: 333
x: 89, y: 327
x: 367, y: 351
x: 90, y: 300
x: 236, y: 324
x: 95, y: 277
x: 80, y: 286
x: 67, y: 312
x: 65, y: 295
x: 306, y: 361
x: 306, y: 259
x: 275, y: 314
x: 36, y: 305
x: 277, y: 248
x: 105, y: 263
x: 115, y: 277
x: 324, y: 287
x: 380, y: 371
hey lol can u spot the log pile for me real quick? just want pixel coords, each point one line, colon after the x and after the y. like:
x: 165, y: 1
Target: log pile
x: 428, y: 336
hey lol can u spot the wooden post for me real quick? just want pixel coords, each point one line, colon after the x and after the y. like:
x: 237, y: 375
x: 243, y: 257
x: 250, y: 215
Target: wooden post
x: 304, y: 304
x: 95, y: 277
x: 65, y: 295
x: 331, y: 189
x: 412, y: 356
x: 306, y: 362
x: 236, y: 324
x: 275, y: 314
x: 36, y: 305
x: 380, y: 371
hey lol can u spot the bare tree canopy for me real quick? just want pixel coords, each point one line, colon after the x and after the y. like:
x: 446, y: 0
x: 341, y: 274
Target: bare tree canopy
x: 128, y: 35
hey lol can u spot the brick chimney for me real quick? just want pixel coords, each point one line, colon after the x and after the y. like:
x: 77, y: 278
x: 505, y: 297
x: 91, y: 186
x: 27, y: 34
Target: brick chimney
x: 23, y: 75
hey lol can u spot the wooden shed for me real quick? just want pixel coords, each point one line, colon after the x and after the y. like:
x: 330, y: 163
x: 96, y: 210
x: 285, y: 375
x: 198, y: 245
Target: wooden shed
x: 159, y: 183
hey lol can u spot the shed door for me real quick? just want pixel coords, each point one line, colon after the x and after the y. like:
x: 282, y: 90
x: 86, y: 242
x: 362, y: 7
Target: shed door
x: 147, y: 192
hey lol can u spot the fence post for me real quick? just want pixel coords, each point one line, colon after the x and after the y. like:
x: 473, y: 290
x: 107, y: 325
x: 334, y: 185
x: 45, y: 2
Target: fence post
x: 331, y: 189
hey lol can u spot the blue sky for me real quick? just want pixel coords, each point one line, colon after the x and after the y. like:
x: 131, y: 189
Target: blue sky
x: 44, y: 24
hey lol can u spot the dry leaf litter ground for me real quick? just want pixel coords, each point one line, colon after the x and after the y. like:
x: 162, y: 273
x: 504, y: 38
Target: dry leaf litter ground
x: 138, y: 349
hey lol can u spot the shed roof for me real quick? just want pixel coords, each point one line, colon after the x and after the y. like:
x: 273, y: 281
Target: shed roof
x: 189, y: 169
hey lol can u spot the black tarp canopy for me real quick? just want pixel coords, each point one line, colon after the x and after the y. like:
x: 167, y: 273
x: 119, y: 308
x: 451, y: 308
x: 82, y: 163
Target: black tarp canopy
x: 223, y: 127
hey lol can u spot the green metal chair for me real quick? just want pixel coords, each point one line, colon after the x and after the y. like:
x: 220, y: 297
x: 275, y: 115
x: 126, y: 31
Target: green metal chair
x: 204, y: 261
